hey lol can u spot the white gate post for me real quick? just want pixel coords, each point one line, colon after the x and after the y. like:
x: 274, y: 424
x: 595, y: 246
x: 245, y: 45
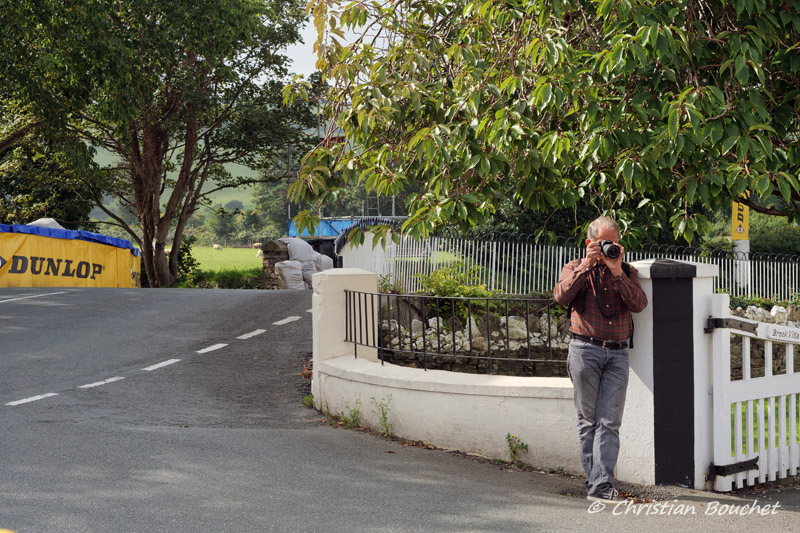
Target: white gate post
x: 666, y: 428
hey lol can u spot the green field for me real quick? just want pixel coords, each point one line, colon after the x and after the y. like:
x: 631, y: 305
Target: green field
x: 212, y: 260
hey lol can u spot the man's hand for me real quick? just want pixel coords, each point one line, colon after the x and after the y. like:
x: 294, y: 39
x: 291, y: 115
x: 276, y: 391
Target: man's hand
x: 614, y: 265
x: 593, y: 255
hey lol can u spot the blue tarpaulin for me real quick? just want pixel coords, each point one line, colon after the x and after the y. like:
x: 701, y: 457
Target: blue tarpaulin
x: 331, y: 227
x: 79, y: 235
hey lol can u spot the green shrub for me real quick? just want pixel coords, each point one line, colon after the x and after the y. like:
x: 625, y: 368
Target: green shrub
x: 746, y: 301
x: 455, y: 281
x: 187, y: 264
x: 223, y: 279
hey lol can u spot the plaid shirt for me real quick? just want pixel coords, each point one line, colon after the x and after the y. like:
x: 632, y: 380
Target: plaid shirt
x: 621, y: 294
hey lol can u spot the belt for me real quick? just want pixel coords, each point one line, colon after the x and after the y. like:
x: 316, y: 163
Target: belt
x: 611, y: 345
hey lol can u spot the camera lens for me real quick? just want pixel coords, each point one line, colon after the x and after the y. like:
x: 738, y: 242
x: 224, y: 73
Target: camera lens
x: 610, y: 249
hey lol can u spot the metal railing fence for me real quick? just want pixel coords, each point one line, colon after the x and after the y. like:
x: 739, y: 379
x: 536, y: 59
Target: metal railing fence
x: 516, y: 336
x: 516, y: 264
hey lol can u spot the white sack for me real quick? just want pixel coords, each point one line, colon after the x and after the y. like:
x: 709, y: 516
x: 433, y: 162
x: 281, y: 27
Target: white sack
x: 291, y: 275
x: 299, y: 250
x: 323, y: 262
x: 309, y: 269
x: 46, y: 223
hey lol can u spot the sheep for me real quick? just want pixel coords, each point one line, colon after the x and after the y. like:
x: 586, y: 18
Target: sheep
x: 217, y: 247
x: 260, y: 253
x: 257, y: 245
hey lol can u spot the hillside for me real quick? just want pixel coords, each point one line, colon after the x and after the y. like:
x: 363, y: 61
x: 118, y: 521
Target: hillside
x: 104, y: 158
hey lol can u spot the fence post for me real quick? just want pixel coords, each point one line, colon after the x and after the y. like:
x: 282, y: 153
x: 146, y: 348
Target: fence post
x: 666, y: 428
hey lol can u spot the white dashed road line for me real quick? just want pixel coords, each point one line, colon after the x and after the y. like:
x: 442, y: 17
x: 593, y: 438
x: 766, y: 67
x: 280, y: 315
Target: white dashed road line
x: 97, y: 384
x: 149, y: 368
x: 33, y: 398
x: 286, y: 321
x: 162, y: 364
x: 34, y: 296
x: 251, y: 334
x: 309, y: 310
x: 212, y: 348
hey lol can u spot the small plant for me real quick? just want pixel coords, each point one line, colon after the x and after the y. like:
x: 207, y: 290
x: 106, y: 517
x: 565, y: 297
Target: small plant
x: 308, y: 401
x: 515, y: 444
x: 352, y: 417
x: 383, y: 414
x: 387, y: 286
x: 329, y: 417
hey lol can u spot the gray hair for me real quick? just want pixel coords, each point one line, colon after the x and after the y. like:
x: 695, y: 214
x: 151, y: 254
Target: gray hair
x: 602, y: 222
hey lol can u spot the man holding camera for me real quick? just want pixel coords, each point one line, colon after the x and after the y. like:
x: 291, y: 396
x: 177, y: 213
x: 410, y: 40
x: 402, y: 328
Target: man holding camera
x: 601, y: 291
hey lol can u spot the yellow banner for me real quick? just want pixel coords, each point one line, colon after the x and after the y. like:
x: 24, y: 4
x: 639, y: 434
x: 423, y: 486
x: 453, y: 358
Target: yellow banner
x: 740, y: 222
x: 36, y: 261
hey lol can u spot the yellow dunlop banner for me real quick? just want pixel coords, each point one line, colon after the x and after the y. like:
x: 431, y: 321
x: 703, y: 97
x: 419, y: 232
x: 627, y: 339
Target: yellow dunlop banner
x: 36, y: 261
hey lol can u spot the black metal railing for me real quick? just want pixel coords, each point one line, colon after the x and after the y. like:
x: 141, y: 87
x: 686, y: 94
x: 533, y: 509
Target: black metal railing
x: 508, y: 336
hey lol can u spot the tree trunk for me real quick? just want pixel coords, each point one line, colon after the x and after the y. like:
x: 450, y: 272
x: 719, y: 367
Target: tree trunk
x: 147, y: 152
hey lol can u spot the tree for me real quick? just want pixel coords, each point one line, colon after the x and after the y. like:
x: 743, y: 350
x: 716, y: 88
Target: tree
x: 222, y: 223
x: 653, y: 111
x: 200, y: 87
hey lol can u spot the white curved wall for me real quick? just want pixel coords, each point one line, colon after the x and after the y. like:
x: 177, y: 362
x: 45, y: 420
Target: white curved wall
x: 468, y: 412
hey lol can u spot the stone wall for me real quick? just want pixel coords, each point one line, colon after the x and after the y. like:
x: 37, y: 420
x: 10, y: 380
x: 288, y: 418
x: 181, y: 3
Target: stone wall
x: 778, y: 315
x: 532, y: 345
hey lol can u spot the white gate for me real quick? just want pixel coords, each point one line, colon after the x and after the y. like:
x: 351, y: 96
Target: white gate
x: 755, y: 411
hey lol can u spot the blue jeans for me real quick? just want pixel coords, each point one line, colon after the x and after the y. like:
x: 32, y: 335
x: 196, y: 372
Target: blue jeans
x: 600, y: 380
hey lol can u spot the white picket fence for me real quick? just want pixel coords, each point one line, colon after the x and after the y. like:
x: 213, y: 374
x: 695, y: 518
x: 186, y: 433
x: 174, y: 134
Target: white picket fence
x: 518, y: 266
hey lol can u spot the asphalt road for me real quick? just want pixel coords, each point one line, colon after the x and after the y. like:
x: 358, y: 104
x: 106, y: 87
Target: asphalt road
x: 171, y: 410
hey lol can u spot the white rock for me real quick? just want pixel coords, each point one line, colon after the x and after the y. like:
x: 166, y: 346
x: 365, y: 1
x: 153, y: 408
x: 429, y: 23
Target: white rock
x: 416, y: 327
x: 754, y: 313
x: 517, y: 327
x: 543, y: 325
x: 778, y: 314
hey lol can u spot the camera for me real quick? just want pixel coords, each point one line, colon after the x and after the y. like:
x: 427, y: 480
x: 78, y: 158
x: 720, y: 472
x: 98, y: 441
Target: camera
x: 610, y: 249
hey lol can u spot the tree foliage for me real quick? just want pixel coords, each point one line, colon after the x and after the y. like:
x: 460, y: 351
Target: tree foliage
x: 653, y: 111
x: 53, y: 53
x: 43, y: 173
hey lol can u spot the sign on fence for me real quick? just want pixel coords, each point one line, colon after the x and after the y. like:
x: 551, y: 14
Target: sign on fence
x: 783, y: 334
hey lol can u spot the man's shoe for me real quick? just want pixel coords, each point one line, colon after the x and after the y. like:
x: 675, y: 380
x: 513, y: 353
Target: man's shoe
x: 607, y: 496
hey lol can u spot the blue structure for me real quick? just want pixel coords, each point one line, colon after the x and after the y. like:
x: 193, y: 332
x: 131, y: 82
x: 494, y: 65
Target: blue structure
x: 328, y: 227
